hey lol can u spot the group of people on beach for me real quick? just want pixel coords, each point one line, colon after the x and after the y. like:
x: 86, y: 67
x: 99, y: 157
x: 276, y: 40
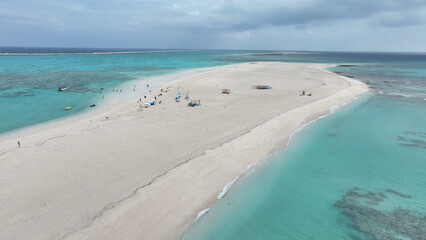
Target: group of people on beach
x: 152, y: 102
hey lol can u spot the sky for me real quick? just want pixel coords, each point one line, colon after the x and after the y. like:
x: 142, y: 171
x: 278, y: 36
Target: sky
x: 321, y: 25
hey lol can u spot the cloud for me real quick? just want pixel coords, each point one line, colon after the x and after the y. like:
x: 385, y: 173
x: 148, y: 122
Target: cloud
x: 254, y: 14
x: 206, y: 22
x: 399, y: 19
x: 193, y: 13
x: 29, y: 19
x: 238, y: 15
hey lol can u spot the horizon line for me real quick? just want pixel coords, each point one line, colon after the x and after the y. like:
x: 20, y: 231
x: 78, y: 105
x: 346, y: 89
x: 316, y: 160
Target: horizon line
x: 214, y: 49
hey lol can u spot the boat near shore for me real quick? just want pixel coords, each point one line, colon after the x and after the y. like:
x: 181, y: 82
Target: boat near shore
x: 62, y: 88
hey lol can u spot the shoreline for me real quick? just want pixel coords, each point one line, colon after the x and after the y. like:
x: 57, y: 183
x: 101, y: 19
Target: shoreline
x: 110, y: 103
x: 313, y: 118
x: 196, y: 172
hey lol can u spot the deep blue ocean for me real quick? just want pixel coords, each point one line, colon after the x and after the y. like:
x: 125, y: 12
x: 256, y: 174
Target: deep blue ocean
x: 356, y: 174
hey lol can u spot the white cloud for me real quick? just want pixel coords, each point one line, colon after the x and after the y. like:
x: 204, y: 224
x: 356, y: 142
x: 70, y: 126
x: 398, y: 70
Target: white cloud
x: 215, y: 22
x: 193, y: 13
x: 176, y: 6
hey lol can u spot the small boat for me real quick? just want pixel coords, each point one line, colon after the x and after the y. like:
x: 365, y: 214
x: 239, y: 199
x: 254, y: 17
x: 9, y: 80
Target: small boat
x: 93, y: 105
x: 261, y: 86
x: 68, y: 108
x: 62, y: 88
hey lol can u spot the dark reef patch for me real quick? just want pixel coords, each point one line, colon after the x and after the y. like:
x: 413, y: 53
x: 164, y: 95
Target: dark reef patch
x: 397, y: 193
x: 365, y: 215
x: 420, y: 134
x: 343, y: 74
x: 16, y: 94
x: 266, y: 54
x: 77, y: 81
x: 349, y: 76
x: 412, y: 139
x: 345, y: 65
x: 332, y: 134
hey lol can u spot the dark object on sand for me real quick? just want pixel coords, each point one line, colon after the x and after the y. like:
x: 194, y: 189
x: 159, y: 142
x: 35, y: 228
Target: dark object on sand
x: 261, y: 86
x: 194, y: 103
x: 178, y: 97
x: 226, y: 91
x: 304, y: 93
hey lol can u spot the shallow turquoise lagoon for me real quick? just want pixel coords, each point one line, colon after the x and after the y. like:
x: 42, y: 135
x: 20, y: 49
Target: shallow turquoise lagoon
x: 356, y: 174
x: 28, y: 83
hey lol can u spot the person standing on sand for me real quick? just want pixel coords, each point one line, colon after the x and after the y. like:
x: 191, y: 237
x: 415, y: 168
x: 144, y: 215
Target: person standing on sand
x: 19, y: 144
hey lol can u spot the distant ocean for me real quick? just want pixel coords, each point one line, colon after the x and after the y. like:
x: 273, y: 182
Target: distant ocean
x: 356, y: 174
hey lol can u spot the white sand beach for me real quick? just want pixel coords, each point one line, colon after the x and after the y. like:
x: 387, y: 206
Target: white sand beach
x: 146, y: 173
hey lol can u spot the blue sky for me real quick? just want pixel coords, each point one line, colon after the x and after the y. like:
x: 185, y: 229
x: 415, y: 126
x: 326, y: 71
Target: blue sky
x: 340, y: 25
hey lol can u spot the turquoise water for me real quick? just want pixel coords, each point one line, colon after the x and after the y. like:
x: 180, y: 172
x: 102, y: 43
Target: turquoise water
x: 28, y: 83
x: 29, y: 77
x: 314, y: 189
x: 356, y: 174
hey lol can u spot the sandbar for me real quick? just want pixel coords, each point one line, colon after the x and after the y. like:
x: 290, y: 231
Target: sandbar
x: 132, y: 172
